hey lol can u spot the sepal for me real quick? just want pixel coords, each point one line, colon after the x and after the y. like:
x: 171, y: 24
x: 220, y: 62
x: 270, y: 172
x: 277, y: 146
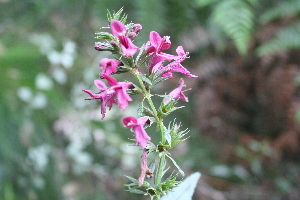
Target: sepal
x: 117, y: 16
x: 105, y: 36
x: 167, y: 108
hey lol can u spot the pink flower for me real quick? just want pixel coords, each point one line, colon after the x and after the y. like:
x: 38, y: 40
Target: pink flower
x: 107, y: 95
x: 137, y: 125
x: 107, y: 99
x: 119, y: 31
x: 177, y: 93
x: 158, y: 44
x: 119, y: 88
x: 174, y: 66
x: 156, y: 61
x: 108, y: 66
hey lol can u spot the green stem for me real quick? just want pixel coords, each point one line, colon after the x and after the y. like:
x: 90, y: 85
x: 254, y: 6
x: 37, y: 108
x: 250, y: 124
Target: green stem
x: 160, y: 169
x: 147, y: 94
x: 160, y: 125
x: 156, y: 198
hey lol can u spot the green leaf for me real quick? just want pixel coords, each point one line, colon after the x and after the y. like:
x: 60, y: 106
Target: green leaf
x: 145, y: 79
x: 286, y: 39
x: 168, y: 136
x: 117, y: 16
x: 177, y: 166
x: 151, y: 166
x: 132, y: 179
x: 185, y: 190
x: 281, y: 10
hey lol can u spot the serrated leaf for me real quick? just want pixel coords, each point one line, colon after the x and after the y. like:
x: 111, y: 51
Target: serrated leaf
x: 177, y: 166
x: 185, y: 190
x: 145, y: 79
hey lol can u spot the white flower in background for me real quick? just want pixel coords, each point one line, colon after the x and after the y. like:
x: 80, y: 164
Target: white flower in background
x: 43, y: 82
x: 39, y: 101
x: 59, y: 75
x: 25, y: 93
x: 39, y: 156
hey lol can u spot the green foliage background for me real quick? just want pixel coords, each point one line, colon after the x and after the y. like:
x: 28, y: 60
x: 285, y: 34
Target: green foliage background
x: 40, y: 156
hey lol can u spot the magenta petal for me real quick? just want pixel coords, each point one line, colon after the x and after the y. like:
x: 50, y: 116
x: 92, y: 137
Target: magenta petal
x: 177, y: 93
x: 177, y: 67
x: 92, y: 94
x: 111, y: 81
x: 109, y: 66
x: 100, y: 85
x: 180, y: 51
x: 123, y: 98
x: 117, y: 28
x: 129, y: 121
x: 155, y: 38
x: 141, y: 136
x: 142, y: 120
x: 128, y: 48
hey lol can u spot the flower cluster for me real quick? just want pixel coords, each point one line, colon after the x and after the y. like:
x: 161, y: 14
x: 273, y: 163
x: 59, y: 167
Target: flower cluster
x: 159, y: 66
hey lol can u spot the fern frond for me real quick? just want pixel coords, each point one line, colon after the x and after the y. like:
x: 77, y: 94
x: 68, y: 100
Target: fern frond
x: 282, y: 9
x: 203, y: 3
x: 236, y: 19
x: 285, y: 39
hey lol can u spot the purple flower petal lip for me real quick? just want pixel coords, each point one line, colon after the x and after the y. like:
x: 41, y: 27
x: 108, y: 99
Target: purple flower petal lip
x: 177, y: 93
x: 107, y: 95
x: 137, y: 125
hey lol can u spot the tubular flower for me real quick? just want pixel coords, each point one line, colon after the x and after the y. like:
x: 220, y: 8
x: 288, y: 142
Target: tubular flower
x: 177, y: 93
x: 157, y: 45
x: 156, y: 61
x: 106, y: 98
x: 119, y: 31
x: 174, y: 66
x: 119, y: 89
x: 108, y: 66
x: 137, y: 125
x: 107, y: 95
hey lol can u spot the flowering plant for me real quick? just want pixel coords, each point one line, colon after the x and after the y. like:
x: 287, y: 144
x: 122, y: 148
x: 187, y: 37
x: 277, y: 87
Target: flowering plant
x: 148, y: 68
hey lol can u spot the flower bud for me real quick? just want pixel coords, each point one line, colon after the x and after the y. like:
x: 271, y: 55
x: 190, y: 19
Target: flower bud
x: 136, y: 28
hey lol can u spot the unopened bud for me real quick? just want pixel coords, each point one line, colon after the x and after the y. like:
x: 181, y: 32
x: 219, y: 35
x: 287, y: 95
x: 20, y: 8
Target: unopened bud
x: 136, y: 28
x: 99, y: 46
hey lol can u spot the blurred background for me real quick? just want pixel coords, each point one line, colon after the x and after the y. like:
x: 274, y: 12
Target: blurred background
x: 243, y: 110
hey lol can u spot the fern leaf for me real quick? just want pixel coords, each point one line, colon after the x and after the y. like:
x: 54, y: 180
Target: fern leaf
x: 282, y: 9
x: 287, y: 38
x: 236, y: 20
